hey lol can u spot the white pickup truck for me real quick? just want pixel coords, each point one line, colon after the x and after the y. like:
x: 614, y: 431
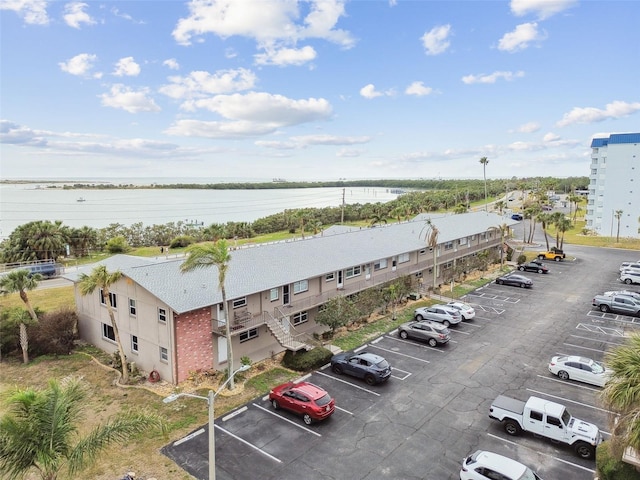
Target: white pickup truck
x: 547, y: 419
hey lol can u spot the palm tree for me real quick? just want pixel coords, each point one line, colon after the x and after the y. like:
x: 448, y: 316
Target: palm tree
x: 21, y: 281
x: 618, y: 216
x: 102, y: 279
x: 574, y: 200
x: 484, y: 161
x: 40, y: 431
x: 208, y: 255
x: 622, y: 392
x: 499, y: 205
x: 545, y: 219
x: 563, y: 225
x: 431, y: 236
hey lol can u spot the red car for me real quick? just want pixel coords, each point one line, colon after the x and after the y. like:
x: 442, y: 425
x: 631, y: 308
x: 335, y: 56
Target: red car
x: 303, y: 398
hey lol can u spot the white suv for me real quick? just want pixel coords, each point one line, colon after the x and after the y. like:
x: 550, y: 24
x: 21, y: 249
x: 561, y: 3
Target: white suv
x: 438, y: 313
x: 630, y: 277
x: 483, y: 465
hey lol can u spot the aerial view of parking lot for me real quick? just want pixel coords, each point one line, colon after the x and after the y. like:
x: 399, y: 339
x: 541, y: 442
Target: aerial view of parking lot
x: 433, y: 413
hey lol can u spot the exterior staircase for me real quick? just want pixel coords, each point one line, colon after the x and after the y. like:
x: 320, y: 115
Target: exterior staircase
x: 291, y: 340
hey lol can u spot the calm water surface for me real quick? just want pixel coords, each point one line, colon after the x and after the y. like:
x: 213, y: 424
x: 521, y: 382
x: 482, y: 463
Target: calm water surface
x: 23, y: 203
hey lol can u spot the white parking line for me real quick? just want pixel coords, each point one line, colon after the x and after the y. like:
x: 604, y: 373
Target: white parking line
x: 249, y: 444
x: 542, y: 453
x: 601, y: 341
x: 554, y: 379
x: 401, y: 354
x: 458, y: 331
x: 295, y: 424
x: 343, y: 410
x: 416, y: 344
x: 598, y: 329
x: 572, y: 401
x: 470, y: 323
x: 349, y: 383
x: 580, y: 346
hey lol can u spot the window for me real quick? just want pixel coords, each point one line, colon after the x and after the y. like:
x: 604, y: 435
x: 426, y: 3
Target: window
x: 403, y: 258
x: 483, y: 236
x: 112, y: 297
x: 380, y: 264
x: 134, y: 343
x: 462, y: 241
x: 132, y: 307
x: 248, y: 335
x: 554, y: 421
x: 353, y: 271
x: 162, y: 315
x: 299, y: 318
x: 274, y: 294
x: 164, y: 355
x: 330, y: 277
x: 301, y: 286
x: 108, y: 333
x: 239, y: 302
x: 448, y: 245
x: 423, y: 251
x: 535, y: 415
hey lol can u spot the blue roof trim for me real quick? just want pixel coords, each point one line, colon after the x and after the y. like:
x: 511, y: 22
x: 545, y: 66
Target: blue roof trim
x: 616, y: 138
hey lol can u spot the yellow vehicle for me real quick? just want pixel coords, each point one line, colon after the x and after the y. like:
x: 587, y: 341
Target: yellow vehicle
x: 553, y: 254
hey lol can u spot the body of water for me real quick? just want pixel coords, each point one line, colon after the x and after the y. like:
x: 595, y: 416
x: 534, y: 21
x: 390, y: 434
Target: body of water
x: 24, y: 203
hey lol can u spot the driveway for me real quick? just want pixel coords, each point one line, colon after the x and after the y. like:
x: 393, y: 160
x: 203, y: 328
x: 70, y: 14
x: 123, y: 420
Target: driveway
x: 434, y: 410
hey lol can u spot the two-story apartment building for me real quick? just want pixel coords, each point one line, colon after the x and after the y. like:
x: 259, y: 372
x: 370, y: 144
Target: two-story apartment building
x: 171, y: 321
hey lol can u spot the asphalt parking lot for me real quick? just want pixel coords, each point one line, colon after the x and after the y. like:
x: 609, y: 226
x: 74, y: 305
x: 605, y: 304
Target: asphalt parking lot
x: 434, y: 409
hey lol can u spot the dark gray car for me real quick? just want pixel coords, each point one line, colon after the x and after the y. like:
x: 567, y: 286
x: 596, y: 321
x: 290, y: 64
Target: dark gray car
x: 515, y: 280
x: 431, y: 332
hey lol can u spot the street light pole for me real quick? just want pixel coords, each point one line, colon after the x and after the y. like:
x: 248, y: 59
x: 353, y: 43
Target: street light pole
x: 210, y: 399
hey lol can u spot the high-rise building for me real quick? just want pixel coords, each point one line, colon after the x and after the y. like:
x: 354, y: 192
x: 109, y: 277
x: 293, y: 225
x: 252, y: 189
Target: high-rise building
x: 613, y: 205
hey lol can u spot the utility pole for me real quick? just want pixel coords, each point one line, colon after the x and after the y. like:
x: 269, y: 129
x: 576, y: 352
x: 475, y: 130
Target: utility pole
x: 342, y: 210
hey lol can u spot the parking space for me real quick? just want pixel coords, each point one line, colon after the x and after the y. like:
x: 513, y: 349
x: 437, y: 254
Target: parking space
x: 433, y: 411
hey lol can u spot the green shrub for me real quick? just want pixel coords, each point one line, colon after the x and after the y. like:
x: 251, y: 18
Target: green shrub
x: 181, y: 241
x: 610, y: 468
x: 522, y: 258
x: 54, y: 333
x: 117, y: 245
x: 305, y: 361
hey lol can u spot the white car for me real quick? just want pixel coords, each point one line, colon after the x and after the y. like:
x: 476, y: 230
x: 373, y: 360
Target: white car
x: 630, y: 277
x: 465, y: 310
x: 629, y: 266
x: 626, y: 293
x: 438, y: 313
x: 483, y: 465
x: 581, y: 369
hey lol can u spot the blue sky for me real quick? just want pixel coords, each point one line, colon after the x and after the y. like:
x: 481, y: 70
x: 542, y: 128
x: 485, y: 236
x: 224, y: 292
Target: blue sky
x: 313, y: 90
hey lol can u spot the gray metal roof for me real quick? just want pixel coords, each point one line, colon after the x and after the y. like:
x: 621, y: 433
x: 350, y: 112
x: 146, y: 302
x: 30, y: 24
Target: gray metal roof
x: 264, y: 266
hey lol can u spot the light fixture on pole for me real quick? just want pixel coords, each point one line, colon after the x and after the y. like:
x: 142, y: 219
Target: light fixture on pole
x: 210, y: 399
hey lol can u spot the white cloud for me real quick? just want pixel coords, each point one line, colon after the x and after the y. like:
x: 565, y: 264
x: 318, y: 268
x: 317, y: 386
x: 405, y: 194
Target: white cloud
x: 521, y: 38
x: 329, y: 140
x: 200, y: 84
x: 491, y: 78
x: 277, y: 145
x: 543, y: 8
x: 369, y: 91
x: 81, y: 65
x: 251, y: 114
x: 126, y: 67
x: 418, y: 89
x: 286, y: 56
x: 550, y: 137
x: 266, y: 108
x: 616, y: 109
x: 172, y: 63
x: 273, y: 22
x: 129, y: 100
x: 75, y: 15
x: 528, y: 127
x: 33, y: 12
x: 436, y: 40
x: 349, y: 153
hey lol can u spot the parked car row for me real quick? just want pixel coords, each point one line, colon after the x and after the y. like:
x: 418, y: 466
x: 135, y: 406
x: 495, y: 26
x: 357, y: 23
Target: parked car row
x: 630, y: 272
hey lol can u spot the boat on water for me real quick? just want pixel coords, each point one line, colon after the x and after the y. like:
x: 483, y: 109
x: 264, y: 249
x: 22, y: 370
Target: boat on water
x: 81, y: 199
